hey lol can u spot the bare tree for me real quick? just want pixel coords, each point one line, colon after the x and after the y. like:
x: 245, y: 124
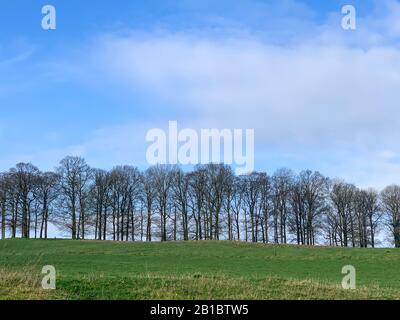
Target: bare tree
x: 252, y: 192
x: 149, y: 190
x: 181, y: 185
x: 46, y: 192
x: 75, y: 176
x: 3, y: 203
x: 197, y: 201
x: 367, y: 214
x: 100, y: 197
x: 315, y: 187
x: 391, y: 205
x: 342, y: 196
x: 163, y: 179
x: 282, y: 183
x: 25, y: 178
x: 373, y: 212
x: 237, y: 203
x: 217, y: 177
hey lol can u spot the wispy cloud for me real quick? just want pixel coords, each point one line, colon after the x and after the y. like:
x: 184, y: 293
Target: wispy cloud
x: 309, y: 89
x: 324, y: 97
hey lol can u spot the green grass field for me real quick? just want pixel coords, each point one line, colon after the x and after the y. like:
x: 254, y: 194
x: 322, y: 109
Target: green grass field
x: 193, y: 270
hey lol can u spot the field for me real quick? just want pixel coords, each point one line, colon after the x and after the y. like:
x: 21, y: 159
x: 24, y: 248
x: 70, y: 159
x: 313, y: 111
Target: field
x: 193, y: 270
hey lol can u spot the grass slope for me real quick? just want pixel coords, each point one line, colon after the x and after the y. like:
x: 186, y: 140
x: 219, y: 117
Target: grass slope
x: 193, y: 270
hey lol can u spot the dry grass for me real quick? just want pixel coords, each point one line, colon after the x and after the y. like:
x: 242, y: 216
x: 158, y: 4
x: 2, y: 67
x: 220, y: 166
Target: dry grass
x: 272, y: 288
x: 26, y: 286
x: 22, y: 285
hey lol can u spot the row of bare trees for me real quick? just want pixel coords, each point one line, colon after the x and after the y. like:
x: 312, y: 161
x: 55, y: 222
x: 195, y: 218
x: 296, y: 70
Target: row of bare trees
x: 209, y: 203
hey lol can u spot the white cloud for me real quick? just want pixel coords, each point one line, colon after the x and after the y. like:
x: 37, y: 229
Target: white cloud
x: 308, y: 94
x: 333, y: 94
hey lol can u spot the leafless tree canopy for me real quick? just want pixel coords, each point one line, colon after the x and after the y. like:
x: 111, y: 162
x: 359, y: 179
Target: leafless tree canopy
x: 209, y: 203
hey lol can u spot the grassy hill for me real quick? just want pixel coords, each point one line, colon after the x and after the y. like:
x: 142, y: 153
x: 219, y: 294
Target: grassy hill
x: 193, y: 270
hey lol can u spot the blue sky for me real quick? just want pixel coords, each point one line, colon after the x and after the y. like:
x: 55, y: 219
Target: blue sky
x: 317, y: 96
